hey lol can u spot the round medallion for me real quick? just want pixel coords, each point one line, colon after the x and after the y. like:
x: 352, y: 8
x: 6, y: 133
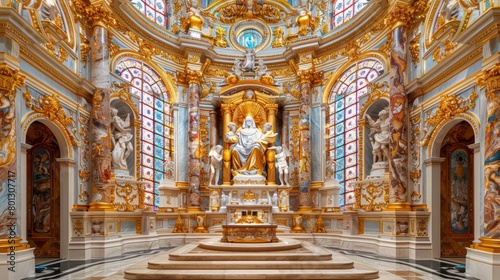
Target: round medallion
x: 249, y: 34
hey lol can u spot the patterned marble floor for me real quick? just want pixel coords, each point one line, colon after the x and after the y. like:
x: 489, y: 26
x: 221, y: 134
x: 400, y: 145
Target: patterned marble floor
x: 389, y: 269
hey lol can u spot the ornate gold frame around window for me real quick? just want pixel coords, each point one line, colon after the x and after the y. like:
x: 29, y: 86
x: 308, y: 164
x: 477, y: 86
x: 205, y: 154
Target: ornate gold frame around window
x: 257, y: 25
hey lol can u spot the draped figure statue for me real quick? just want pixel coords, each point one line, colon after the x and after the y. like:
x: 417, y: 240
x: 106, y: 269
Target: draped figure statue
x: 248, y: 153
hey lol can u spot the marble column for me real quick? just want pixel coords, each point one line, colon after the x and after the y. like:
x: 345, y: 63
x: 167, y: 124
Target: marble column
x: 398, y: 146
x: 214, y: 137
x: 305, y: 78
x: 102, y: 181
x: 194, y: 163
x: 490, y: 79
x: 10, y: 190
x: 226, y: 156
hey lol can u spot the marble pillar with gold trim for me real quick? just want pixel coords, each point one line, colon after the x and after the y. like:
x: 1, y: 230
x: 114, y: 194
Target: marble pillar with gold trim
x: 194, y: 163
x: 398, y: 145
x: 490, y: 79
x: 10, y: 188
x: 102, y: 181
x: 305, y: 79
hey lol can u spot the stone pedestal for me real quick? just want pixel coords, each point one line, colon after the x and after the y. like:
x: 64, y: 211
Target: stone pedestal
x: 169, y: 196
x: 482, y: 265
x: 128, y: 194
x: 329, y: 201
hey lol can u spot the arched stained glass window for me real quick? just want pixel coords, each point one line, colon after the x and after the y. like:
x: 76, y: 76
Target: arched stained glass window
x: 343, y: 123
x: 344, y: 10
x: 155, y: 10
x: 156, y: 123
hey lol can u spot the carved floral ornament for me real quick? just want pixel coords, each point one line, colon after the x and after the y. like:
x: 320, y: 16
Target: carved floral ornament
x: 449, y: 107
x: 50, y: 107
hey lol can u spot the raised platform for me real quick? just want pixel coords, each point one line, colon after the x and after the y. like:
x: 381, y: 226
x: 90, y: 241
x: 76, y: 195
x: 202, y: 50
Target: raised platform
x: 212, y: 259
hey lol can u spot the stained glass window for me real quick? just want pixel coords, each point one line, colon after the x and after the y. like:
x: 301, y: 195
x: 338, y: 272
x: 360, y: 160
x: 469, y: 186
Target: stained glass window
x: 155, y: 10
x: 342, y: 126
x: 344, y: 10
x: 156, y: 123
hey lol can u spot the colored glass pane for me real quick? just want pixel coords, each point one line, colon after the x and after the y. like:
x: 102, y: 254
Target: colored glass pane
x: 155, y: 10
x: 343, y: 10
x: 147, y: 85
x: 344, y: 105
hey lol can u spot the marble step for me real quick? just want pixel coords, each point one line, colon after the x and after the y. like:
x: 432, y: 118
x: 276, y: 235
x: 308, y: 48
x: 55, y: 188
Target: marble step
x: 233, y: 265
x: 251, y: 274
x: 250, y: 257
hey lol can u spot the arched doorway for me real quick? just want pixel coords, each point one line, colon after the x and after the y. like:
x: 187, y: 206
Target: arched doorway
x: 457, y: 189
x: 43, y: 191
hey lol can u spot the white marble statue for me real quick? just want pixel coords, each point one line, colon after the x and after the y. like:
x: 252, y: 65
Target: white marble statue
x: 249, y: 63
x: 215, y: 164
x: 261, y: 69
x: 282, y: 153
x: 379, y: 136
x: 237, y: 70
x: 121, y: 138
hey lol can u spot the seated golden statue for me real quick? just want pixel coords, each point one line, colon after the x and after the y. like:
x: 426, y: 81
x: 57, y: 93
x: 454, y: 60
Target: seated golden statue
x: 248, y: 153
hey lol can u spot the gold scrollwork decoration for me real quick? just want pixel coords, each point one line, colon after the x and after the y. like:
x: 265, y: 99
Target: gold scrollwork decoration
x: 449, y: 107
x: 128, y: 193
x: 9, y: 81
x: 415, y: 50
x: 50, y: 107
x: 378, y: 91
x: 220, y: 37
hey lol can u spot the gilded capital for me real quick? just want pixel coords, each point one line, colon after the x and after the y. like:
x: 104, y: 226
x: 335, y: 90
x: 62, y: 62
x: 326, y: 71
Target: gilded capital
x: 227, y: 108
x: 94, y: 15
x: 10, y: 79
x: 490, y: 78
x: 194, y: 76
x: 309, y: 76
x: 402, y: 14
x: 271, y: 107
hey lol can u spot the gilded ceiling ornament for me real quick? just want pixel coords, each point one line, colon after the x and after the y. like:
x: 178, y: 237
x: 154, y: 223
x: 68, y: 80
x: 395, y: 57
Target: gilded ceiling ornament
x: 248, y: 9
x: 146, y: 49
x: 50, y: 107
x: 220, y: 37
x: 449, y: 107
x: 415, y: 50
x: 490, y: 79
x: 279, y: 38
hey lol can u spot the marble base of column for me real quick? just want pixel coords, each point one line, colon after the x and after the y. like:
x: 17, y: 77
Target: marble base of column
x: 398, y: 206
x: 488, y: 244
x: 419, y: 207
x: 192, y: 209
x: 101, y: 206
x: 304, y: 208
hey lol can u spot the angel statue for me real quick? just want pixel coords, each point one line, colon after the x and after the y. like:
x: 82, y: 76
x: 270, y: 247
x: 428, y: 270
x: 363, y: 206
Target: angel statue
x: 121, y: 138
x: 282, y: 153
x: 215, y: 164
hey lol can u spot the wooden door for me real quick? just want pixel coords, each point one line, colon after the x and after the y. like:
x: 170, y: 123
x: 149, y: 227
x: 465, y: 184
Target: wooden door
x: 457, y: 223
x: 43, y: 198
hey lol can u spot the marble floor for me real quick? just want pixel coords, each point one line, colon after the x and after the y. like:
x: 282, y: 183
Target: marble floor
x: 389, y: 269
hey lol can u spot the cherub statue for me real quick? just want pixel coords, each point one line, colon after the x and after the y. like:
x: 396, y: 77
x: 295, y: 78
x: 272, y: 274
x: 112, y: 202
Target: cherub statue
x: 215, y: 164
x: 282, y: 153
